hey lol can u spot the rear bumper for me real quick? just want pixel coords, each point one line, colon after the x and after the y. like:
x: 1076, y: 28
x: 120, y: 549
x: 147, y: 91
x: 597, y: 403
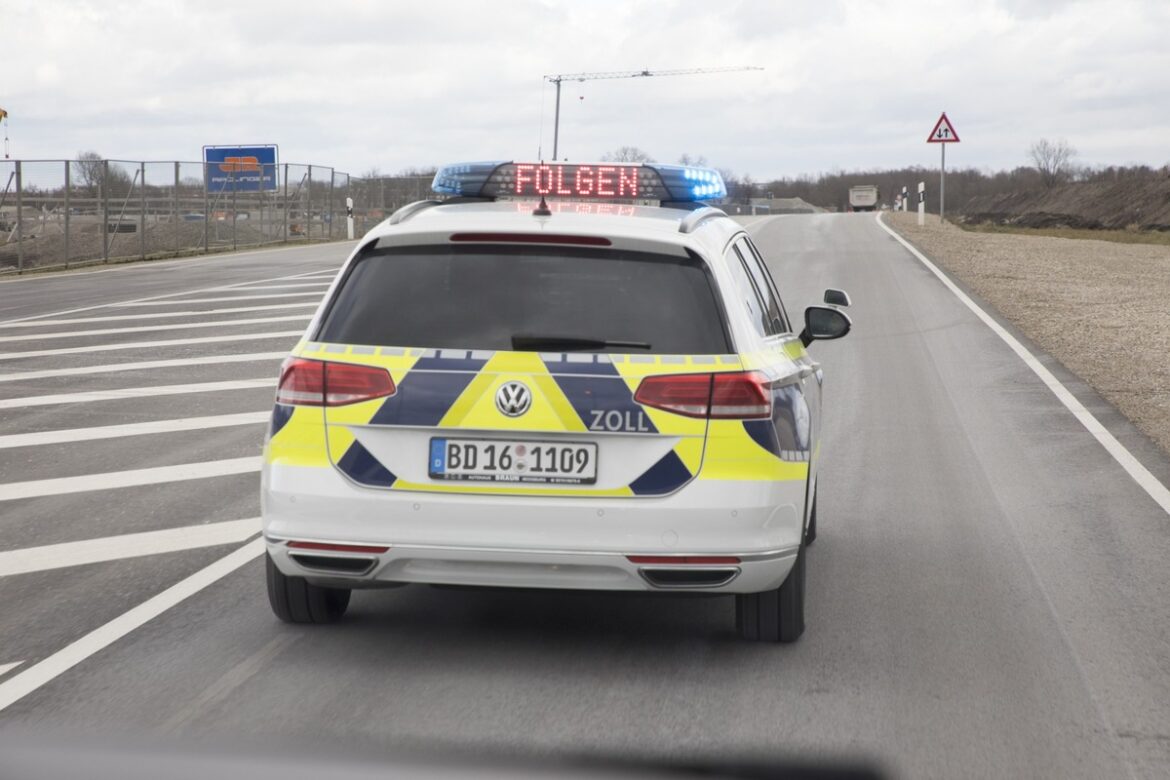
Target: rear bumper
x: 509, y: 568
x: 533, y: 542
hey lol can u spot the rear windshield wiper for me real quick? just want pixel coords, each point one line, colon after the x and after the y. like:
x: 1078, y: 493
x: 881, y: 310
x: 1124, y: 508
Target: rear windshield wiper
x: 526, y: 342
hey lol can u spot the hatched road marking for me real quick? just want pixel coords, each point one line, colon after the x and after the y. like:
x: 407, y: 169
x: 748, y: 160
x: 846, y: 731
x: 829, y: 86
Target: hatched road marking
x: 157, y: 315
x: 35, y: 488
x: 76, y: 334
x: 151, y: 344
x: 282, y: 286
x: 131, y: 429
x: 142, y: 365
x: 6, y: 668
x: 185, y: 301
x: 123, y: 393
x: 116, y: 548
x: 20, y: 685
x: 116, y: 304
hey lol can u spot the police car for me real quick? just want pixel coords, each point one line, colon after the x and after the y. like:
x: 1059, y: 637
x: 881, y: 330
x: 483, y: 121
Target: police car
x: 561, y: 376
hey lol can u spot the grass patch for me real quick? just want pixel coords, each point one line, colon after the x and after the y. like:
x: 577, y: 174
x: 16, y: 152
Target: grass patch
x: 1158, y: 238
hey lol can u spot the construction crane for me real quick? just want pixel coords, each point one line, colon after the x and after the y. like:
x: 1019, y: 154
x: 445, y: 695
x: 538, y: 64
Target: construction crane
x: 624, y: 74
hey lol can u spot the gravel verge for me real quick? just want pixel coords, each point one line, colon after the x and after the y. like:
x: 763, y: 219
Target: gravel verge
x: 1100, y: 308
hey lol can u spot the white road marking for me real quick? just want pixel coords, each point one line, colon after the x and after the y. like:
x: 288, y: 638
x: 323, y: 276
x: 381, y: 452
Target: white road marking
x: 6, y: 668
x: 121, y: 394
x: 76, y: 334
x: 11, y: 491
x: 151, y: 344
x: 209, y: 258
x: 95, y: 433
x: 153, y: 298
x: 158, y: 315
x: 116, y: 548
x: 248, y: 357
x: 1140, y: 474
x: 185, y: 301
x: 21, y: 685
x: 292, y: 286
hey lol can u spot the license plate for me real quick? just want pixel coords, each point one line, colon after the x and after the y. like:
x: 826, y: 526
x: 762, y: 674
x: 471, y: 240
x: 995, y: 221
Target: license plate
x: 503, y: 460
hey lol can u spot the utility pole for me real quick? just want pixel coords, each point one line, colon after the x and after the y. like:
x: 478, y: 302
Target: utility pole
x: 622, y: 74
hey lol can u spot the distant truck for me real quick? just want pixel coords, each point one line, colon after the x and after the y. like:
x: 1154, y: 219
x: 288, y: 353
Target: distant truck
x: 863, y: 197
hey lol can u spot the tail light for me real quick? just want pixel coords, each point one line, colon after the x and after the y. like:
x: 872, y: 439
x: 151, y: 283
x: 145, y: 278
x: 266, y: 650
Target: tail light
x: 740, y: 396
x: 317, y: 383
x: 685, y: 394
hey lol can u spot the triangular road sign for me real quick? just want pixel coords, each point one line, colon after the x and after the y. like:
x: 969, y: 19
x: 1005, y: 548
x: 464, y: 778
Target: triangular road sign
x: 943, y: 132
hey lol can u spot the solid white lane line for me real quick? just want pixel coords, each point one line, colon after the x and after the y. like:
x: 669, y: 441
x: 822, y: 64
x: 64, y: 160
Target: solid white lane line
x: 151, y: 344
x: 11, y: 491
x: 208, y: 360
x: 116, y: 548
x: 1139, y: 473
x: 77, y: 334
x: 6, y: 668
x: 20, y: 685
x: 121, y: 394
x: 158, y: 315
x: 131, y: 429
x: 80, y: 309
x: 185, y: 301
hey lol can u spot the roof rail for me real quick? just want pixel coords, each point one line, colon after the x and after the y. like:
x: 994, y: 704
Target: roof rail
x: 410, y: 209
x: 692, y: 221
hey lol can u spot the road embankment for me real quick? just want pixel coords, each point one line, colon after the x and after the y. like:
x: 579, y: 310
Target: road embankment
x: 1100, y: 308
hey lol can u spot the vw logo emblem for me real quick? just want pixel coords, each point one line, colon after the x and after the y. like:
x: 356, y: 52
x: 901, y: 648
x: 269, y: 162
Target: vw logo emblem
x: 513, y: 398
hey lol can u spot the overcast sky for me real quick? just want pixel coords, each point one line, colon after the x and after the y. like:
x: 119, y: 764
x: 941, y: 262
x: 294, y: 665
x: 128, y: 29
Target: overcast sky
x: 358, y: 85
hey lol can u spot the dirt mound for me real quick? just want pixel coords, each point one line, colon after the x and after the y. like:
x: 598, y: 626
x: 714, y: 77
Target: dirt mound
x: 1129, y: 203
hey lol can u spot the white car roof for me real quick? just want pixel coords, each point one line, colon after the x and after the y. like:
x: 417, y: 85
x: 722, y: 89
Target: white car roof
x: 610, y: 220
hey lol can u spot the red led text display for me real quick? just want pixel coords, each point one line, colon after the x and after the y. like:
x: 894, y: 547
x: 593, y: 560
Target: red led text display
x: 582, y: 181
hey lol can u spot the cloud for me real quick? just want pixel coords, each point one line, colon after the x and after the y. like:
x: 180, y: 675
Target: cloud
x: 363, y: 84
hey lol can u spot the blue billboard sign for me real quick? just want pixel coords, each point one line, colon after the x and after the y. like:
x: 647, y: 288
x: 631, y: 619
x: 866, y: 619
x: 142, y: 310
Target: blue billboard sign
x: 240, y: 168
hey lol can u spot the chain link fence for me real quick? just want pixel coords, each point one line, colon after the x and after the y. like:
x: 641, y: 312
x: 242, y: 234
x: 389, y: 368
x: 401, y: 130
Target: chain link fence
x: 63, y: 213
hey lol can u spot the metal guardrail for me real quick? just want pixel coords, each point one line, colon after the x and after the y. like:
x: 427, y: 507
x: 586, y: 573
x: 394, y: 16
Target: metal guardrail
x: 63, y: 213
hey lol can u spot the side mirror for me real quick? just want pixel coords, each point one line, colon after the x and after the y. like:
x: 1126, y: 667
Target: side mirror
x: 836, y: 297
x: 824, y: 323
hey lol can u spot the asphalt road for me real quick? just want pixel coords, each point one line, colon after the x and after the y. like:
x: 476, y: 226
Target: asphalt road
x: 989, y: 594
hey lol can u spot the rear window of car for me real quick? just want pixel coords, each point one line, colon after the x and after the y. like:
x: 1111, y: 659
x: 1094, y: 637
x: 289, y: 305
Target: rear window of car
x: 479, y: 297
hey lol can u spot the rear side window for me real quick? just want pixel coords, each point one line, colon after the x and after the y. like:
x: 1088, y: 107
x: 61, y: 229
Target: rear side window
x: 479, y: 297
x: 748, y: 293
x: 775, y: 313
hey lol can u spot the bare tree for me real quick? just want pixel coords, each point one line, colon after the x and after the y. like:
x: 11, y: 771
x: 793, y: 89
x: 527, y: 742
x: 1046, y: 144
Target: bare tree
x: 627, y: 154
x: 1053, y: 159
x: 696, y: 160
x: 89, y: 169
x: 92, y: 172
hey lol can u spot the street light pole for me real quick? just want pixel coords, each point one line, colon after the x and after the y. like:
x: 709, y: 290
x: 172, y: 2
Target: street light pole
x: 557, y: 118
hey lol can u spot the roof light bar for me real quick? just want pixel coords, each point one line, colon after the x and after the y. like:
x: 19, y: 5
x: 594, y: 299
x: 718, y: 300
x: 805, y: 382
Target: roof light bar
x: 584, y: 181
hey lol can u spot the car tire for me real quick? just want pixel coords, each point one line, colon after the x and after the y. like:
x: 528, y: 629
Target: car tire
x: 294, y: 600
x: 774, y: 615
x: 810, y: 533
